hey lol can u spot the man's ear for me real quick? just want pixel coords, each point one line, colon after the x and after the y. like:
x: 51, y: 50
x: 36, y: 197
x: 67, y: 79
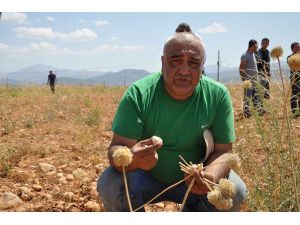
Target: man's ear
x: 162, y: 63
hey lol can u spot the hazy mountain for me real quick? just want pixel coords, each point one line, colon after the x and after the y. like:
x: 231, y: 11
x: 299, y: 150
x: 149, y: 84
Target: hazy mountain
x: 122, y: 77
x: 231, y: 75
x: 38, y: 73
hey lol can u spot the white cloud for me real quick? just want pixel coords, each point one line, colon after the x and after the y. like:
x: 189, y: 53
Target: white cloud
x: 42, y: 47
x: 14, y: 18
x: 213, y: 29
x: 35, y: 32
x: 84, y: 34
x: 102, y: 23
x: 39, y: 48
x: 119, y: 48
x: 3, y: 46
x: 50, y: 18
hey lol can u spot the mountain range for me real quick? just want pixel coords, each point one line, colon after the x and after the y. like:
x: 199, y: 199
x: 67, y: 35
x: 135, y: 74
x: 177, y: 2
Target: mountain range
x: 38, y: 74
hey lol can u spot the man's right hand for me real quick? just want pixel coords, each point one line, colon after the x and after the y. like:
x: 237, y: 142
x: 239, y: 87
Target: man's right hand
x: 144, y: 153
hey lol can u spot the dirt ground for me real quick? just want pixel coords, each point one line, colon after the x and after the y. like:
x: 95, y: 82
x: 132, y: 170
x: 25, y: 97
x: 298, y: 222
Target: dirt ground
x: 53, y: 146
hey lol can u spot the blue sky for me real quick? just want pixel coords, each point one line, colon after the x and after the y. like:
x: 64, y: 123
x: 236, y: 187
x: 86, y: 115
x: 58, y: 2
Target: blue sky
x: 114, y: 41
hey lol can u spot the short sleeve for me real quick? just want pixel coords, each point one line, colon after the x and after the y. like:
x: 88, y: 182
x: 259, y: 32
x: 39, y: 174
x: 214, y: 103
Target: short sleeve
x: 223, y: 124
x: 127, y: 121
x: 244, y: 57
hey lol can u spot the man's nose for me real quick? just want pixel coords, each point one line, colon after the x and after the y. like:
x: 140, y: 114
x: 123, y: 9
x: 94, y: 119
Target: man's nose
x: 184, y: 68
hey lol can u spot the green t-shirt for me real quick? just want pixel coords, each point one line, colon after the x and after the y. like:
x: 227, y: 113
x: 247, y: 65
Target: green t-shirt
x: 146, y: 110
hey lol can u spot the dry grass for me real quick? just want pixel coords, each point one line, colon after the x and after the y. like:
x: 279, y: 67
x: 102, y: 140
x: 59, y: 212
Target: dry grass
x: 71, y: 129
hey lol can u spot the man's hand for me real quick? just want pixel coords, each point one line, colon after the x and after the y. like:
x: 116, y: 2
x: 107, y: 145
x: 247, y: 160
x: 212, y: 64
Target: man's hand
x: 199, y: 186
x: 144, y: 153
x: 214, y: 169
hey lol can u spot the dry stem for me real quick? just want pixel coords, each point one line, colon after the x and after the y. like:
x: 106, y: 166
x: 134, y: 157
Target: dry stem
x: 187, y: 194
x: 168, y: 188
x: 126, y: 188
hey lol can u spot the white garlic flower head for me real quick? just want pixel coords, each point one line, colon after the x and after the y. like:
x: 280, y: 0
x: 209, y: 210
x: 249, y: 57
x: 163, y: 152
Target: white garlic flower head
x: 122, y: 155
x: 233, y: 161
x: 227, y: 188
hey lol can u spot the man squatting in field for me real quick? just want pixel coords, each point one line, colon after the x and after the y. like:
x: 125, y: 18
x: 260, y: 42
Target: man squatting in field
x: 176, y: 104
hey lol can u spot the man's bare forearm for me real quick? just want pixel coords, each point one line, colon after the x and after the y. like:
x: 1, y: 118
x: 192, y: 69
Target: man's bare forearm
x: 217, y: 167
x: 242, y: 74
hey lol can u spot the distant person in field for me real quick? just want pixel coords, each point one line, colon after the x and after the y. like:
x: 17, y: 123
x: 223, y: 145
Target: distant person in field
x: 263, y: 66
x: 183, y: 27
x: 295, y: 83
x: 52, y: 81
x: 248, y: 71
x: 177, y: 104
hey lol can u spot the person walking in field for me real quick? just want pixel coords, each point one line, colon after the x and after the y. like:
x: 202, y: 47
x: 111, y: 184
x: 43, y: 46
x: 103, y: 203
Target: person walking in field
x: 52, y: 81
x: 295, y: 83
x: 177, y: 104
x: 249, y: 72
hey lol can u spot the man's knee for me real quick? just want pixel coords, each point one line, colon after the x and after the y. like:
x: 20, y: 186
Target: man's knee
x: 241, y: 192
x: 109, y: 187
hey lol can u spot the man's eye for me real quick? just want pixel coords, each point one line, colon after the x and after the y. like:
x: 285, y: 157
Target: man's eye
x: 176, y: 61
x: 194, y: 64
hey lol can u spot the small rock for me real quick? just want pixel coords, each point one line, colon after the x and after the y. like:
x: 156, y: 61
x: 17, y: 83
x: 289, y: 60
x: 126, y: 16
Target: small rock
x: 60, y: 205
x: 60, y: 114
x: 160, y: 205
x: 59, y: 174
x: 45, y: 195
x: 92, y: 206
x: 94, y: 194
x: 69, y: 177
x: 51, y: 173
x: 25, y: 194
x: 62, y: 166
x: 77, y: 158
x: 45, y: 167
x: 62, y: 180
x: 79, y: 174
x: 69, y: 196
x: 36, y: 181
x: 93, y: 190
x: 99, y: 168
x: 56, y: 188
x: 9, y: 200
x: 68, y: 206
x: 37, y: 187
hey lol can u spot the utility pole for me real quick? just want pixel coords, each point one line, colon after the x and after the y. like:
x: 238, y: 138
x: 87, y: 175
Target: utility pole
x: 218, y: 63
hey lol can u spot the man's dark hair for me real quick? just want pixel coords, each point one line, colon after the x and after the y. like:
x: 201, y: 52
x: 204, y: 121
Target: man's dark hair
x: 183, y: 27
x: 251, y: 43
x: 265, y: 39
x: 293, y: 45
